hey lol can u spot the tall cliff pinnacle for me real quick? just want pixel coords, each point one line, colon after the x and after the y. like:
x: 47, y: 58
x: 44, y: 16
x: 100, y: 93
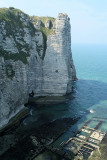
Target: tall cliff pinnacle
x: 33, y: 57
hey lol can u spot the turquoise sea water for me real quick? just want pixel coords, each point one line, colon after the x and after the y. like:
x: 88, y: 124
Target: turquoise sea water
x: 90, y: 62
x: 90, y: 89
x: 90, y: 93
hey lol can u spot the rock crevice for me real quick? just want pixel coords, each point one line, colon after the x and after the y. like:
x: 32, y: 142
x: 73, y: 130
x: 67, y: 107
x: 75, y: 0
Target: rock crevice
x: 22, y: 66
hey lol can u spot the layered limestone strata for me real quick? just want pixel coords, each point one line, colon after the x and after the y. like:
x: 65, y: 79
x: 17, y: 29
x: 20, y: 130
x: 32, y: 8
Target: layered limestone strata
x: 58, y: 68
x: 31, y: 60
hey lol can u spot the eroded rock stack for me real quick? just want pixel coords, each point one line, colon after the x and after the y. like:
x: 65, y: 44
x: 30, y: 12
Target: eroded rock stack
x: 58, y: 68
x: 32, y: 61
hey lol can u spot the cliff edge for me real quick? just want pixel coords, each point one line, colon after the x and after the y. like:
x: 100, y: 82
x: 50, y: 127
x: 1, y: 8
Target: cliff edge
x: 35, y: 57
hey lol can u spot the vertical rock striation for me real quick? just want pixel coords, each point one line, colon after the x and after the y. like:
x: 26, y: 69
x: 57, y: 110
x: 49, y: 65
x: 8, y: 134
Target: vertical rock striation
x: 32, y: 61
x: 58, y: 67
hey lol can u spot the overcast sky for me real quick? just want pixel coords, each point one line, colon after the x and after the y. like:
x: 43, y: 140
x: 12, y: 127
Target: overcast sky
x: 88, y: 17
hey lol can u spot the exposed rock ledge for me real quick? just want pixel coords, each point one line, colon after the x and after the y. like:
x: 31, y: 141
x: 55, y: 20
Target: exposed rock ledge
x: 35, y: 55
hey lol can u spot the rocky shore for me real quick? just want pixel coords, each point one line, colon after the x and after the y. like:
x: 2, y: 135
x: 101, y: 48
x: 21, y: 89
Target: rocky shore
x: 15, y: 121
x: 50, y: 100
x: 15, y: 143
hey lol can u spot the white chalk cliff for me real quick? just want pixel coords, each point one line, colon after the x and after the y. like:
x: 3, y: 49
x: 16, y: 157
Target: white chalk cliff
x: 30, y: 61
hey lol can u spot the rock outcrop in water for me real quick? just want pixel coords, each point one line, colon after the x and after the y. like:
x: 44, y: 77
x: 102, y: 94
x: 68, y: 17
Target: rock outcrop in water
x: 35, y: 55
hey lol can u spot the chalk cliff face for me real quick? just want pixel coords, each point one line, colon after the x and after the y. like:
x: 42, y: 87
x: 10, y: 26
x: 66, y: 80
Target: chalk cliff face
x: 31, y: 60
x: 58, y: 68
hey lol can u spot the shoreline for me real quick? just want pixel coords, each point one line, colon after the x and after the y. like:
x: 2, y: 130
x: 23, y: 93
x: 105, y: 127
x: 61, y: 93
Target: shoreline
x: 15, y: 121
x: 38, y: 102
x: 50, y: 130
x: 49, y: 100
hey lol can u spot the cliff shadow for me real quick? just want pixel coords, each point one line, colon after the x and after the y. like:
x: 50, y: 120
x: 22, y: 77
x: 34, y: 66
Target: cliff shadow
x: 86, y: 94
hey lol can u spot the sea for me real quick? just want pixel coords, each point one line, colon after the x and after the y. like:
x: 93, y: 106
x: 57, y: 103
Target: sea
x: 90, y: 92
x: 89, y: 96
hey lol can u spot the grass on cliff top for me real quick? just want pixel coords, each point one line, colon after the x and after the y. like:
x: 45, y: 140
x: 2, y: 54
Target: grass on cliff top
x: 12, y: 18
x: 13, y: 23
x: 10, y: 15
x: 45, y: 31
x: 43, y: 19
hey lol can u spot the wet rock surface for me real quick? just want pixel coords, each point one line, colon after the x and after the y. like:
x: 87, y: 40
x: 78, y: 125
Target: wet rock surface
x: 15, y: 141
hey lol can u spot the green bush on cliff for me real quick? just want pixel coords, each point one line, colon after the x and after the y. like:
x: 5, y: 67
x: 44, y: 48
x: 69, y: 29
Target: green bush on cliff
x: 43, y: 19
x: 45, y: 31
x: 103, y: 150
x: 9, y: 71
x: 15, y: 57
x: 13, y: 23
x: 12, y: 18
x: 99, y: 154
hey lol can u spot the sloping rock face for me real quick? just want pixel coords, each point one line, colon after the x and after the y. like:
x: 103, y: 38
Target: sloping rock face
x: 30, y: 61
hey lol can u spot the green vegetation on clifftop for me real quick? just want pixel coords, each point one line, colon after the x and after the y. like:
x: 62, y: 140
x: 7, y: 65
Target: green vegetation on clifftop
x: 13, y: 22
x: 10, y: 18
x: 45, y: 31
